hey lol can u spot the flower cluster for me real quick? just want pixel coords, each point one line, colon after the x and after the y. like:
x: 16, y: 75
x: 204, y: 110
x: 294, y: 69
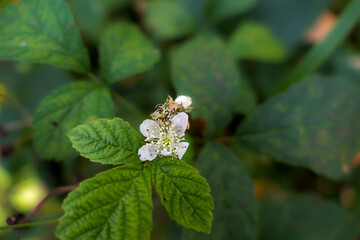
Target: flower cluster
x: 165, y: 133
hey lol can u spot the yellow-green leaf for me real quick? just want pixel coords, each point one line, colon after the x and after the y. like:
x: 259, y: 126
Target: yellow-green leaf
x: 255, y: 41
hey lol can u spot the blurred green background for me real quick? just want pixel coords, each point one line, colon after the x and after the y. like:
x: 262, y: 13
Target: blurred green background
x: 255, y: 196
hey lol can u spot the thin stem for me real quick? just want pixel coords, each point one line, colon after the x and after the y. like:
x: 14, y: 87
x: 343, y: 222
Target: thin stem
x: 22, y: 110
x: 94, y: 78
x: 54, y: 192
x: 10, y: 227
x: 128, y: 104
x: 14, y: 125
x: 320, y: 52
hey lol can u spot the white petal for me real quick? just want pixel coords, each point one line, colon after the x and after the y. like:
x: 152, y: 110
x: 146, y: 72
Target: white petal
x: 180, y: 120
x: 148, y: 152
x: 184, y: 100
x: 165, y: 153
x: 182, y: 149
x: 150, y: 129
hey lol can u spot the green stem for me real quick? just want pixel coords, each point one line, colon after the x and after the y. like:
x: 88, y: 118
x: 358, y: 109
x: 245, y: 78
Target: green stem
x: 22, y: 110
x: 320, y: 52
x: 94, y: 78
x: 128, y: 104
x: 29, y: 224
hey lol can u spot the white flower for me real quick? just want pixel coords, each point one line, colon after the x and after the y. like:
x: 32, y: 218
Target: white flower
x: 184, y: 100
x: 165, y: 138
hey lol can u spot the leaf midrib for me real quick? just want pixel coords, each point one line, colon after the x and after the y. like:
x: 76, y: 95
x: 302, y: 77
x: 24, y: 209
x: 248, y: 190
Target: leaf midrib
x: 194, y: 211
x: 116, y: 201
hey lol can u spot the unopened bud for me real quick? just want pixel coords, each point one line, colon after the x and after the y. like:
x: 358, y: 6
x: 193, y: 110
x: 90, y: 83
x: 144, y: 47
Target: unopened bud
x: 185, y: 101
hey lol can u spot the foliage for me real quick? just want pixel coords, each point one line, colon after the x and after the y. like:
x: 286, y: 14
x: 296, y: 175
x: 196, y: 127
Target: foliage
x: 273, y: 126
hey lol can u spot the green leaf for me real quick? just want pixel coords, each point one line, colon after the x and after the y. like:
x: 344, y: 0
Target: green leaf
x: 255, y: 41
x: 92, y: 15
x: 305, y: 217
x: 115, y: 204
x: 202, y: 70
x: 313, y: 124
x: 228, y: 8
x: 107, y: 141
x: 42, y: 31
x: 168, y: 19
x: 184, y: 193
x: 125, y: 51
x: 64, y: 109
x: 235, y: 212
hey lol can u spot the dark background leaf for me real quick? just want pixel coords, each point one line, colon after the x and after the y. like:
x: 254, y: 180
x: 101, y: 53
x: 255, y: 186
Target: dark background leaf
x: 305, y: 216
x: 211, y: 80
x: 235, y: 214
x: 313, y: 124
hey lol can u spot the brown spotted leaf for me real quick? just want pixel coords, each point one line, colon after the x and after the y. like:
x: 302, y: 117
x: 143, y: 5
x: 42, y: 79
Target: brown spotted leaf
x: 314, y: 124
x: 42, y: 31
x: 202, y: 70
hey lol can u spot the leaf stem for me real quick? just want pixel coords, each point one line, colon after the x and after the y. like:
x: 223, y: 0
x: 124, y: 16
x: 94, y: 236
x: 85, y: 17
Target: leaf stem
x: 320, y: 52
x: 94, y: 78
x: 3, y: 228
x: 128, y: 104
x: 52, y: 193
x: 14, y: 125
x: 22, y: 110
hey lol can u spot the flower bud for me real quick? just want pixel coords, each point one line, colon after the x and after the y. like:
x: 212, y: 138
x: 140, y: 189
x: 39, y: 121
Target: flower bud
x: 185, y: 101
